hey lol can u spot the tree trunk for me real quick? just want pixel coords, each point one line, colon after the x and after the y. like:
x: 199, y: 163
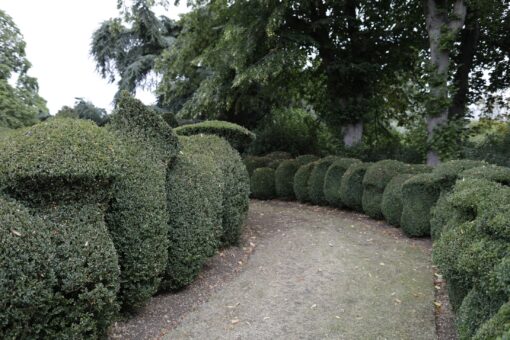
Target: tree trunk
x: 352, y: 134
x: 438, y: 24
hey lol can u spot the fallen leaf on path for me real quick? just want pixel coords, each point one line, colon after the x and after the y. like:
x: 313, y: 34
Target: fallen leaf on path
x: 234, y: 321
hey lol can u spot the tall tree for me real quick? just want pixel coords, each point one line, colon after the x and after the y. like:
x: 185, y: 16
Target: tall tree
x: 84, y: 109
x: 20, y: 102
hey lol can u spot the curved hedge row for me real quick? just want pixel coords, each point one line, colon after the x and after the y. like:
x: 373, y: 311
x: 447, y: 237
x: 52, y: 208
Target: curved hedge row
x: 333, y: 180
x: 316, y: 180
x: 391, y: 205
x: 351, y: 186
x: 301, y: 178
x: 262, y: 183
x: 284, y: 179
x: 238, y: 136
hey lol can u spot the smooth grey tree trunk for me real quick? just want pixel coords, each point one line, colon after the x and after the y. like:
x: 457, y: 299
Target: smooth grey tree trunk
x: 438, y: 24
x: 352, y: 134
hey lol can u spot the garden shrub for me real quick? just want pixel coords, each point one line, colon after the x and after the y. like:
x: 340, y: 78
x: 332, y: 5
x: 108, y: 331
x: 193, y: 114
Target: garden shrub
x: 301, y: 182
x: 255, y: 162
x: 305, y: 159
x: 376, y: 178
x: 351, y: 187
x: 284, y: 179
x: 449, y: 171
x: 137, y: 217
x: 391, y: 205
x: 333, y: 180
x: 499, y: 174
x: 498, y: 327
x: 62, y: 171
x: 279, y: 155
x: 316, y: 180
x: 236, y: 184
x: 59, y: 273
x: 274, y: 164
x: 195, y: 188
x: 262, y: 184
x: 238, y: 136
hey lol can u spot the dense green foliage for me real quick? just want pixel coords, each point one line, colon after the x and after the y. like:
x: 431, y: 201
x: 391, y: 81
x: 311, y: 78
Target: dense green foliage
x: 493, y: 173
x: 351, y: 186
x: 284, y: 179
x: 195, y: 186
x: 305, y: 159
x: 236, y: 135
x: 333, y: 180
x: 301, y: 179
x: 255, y: 162
x: 262, y: 183
x: 84, y: 110
x: 138, y: 210
x: 20, y: 103
x: 497, y: 327
x: 316, y: 180
x: 391, y: 204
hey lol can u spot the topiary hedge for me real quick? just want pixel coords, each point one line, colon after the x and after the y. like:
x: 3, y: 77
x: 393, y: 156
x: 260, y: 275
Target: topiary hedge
x: 236, y: 184
x: 333, y: 180
x: 254, y: 162
x: 421, y: 193
x: 262, y: 183
x: 316, y: 180
x: 376, y: 178
x: 284, y: 179
x: 499, y: 174
x: 59, y: 273
x: 238, y: 136
x: 279, y: 155
x: 306, y: 159
x: 301, y: 180
x: 498, y: 327
x: 137, y: 217
x: 195, y: 188
x: 391, y: 205
x: 351, y: 186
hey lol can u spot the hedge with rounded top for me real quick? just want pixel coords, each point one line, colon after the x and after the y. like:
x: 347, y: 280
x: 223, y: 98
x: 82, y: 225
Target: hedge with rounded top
x: 195, y: 188
x: 316, y: 180
x: 499, y: 174
x: 301, y: 182
x: 137, y: 217
x: 284, y: 179
x: 333, y: 180
x: 305, y: 159
x: 281, y: 155
x: 391, y: 205
x: 262, y: 183
x: 238, y: 136
x: 498, y: 327
x: 255, y: 162
x: 351, y: 186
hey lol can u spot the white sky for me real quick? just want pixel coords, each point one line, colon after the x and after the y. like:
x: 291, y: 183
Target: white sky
x: 58, y: 35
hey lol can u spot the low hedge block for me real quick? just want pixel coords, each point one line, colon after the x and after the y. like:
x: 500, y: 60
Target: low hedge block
x: 262, y: 184
x: 279, y: 155
x: 451, y: 170
x: 498, y: 327
x: 195, y: 188
x: 238, y: 136
x: 301, y: 182
x: 499, y: 174
x: 255, y: 162
x: 333, y: 180
x: 351, y: 186
x: 391, y: 205
x: 305, y: 159
x: 316, y: 180
x: 284, y: 179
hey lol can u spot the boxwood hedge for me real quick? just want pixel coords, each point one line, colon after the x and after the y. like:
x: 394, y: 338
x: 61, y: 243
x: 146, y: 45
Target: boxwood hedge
x: 499, y: 174
x: 238, y: 136
x: 59, y: 275
x: 301, y: 182
x: 284, y: 179
x: 195, y: 188
x: 262, y: 183
x: 316, y: 180
x: 498, y: 327
x: 255, y: 162
x: 351, y: 186
x: 333, y: 180
x: 391, y: 205
x: 137, y: 217
x: 305, y: 159
x: 279, y: 155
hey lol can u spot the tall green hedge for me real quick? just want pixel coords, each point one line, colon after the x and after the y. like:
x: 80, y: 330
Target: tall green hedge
x: 391, y: 205
x: 421, y: 193
x: 237, y: 184
x: 195, y: 186
x: 301, y: 178
x: 137, y: 217
x: 262, y: 183
x: 351, y: 186
x: 333, y: 180
x: 316, y: 180
x: 238, y: 136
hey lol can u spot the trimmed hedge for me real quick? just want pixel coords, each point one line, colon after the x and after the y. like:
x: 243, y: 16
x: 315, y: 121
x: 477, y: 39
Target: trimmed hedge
x: 137, y: 217
x: 255, y: 162
x: 305, y: 159
x: 238, y: 136
x: 236, y: 184
x: 391, y: 205
x: 351, y: 186
x: 333, y: 180
x: 498, y: 327
x: 316, y: 180
x: 262, y: 183
x: 195, y: 188
x: 279, y: 155
x: 59, y: 273
x: 499, y: 174
x: 275, y: 164
x: 376, y: 178
x: 284, y: 179
x: 301, y: 182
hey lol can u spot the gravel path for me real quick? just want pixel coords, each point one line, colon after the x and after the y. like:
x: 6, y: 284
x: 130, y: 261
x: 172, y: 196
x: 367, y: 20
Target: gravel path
x: 315, y: 273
